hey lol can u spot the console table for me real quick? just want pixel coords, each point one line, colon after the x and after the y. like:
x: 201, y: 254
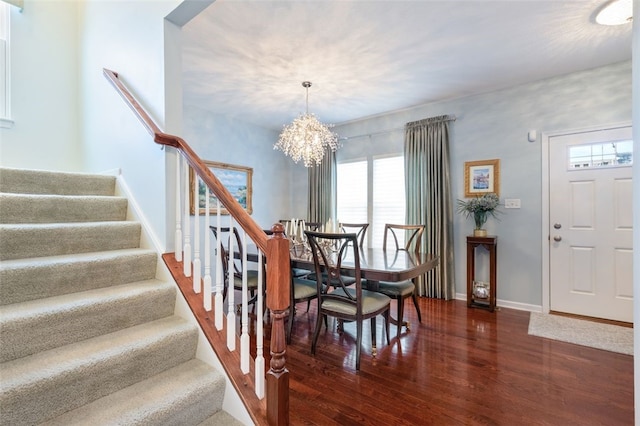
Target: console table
x: 474, y: 299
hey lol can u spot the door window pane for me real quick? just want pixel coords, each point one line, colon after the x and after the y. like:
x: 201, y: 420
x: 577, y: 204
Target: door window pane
x: 605, y: 154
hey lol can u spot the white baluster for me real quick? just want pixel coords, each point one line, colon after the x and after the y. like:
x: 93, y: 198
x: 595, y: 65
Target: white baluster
x: 244, y: 336
x: 231, y: 315
x: 197, y: 271
x: 259, y: 363
x: 187, y: 226
x: 178, y: 237
x: 207, y: 254
x: 219, y: 277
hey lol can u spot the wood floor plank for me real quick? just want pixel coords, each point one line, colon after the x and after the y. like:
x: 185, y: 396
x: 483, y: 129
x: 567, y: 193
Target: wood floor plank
x: 461, y: 366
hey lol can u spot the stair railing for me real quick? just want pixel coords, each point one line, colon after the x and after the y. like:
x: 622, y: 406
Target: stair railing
x: 269, y: 398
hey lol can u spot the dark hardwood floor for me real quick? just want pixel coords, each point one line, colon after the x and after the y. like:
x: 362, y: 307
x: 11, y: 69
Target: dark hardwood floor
x: 459, y: 367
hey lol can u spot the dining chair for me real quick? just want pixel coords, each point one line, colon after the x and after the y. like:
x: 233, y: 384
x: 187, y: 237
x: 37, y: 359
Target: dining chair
x: 402, y: 290
x: 252, y: 274
x: 360, y: 230
x: 338, y: 299
x: 413, y: 232
x: 301, y: 290
x: 312, y: 226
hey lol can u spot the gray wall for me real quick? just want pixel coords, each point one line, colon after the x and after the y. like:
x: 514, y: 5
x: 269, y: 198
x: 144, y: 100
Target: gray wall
x: 221, y: 139
x: 495, y: 125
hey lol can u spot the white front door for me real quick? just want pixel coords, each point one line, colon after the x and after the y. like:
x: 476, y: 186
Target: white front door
x: 590, y: 224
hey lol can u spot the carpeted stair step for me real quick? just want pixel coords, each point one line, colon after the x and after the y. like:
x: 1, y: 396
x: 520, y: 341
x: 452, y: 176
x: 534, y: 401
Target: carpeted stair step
x: 39, y: 325
x: 221, y: 418
x: 45, y: 385
x: 39, y: 240
x: 38, y: 208
x: 184, y: 395
x: 46, y: 182
x: 28, y: 279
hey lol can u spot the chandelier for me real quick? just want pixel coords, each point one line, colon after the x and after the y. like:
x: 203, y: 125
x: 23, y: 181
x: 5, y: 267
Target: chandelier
x: 306, y: 138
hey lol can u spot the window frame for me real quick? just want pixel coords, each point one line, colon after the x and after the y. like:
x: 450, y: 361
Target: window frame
x: 5, y: 109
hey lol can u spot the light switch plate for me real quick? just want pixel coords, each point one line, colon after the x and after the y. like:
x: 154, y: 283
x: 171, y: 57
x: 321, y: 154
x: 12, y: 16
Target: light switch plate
x: 512, y: 203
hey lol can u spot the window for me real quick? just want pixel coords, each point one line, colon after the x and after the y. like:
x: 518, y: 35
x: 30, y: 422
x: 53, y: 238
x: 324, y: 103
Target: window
x: 352, y: 192
x: 5, y: 110
x: 376, y: 197
x: 598, y: 155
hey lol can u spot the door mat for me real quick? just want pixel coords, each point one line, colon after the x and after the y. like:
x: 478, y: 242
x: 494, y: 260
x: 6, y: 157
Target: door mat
x: 609, y: 337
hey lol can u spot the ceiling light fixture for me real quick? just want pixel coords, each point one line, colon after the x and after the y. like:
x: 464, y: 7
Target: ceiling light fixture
x: 306, y: 138
x: 616, y: 12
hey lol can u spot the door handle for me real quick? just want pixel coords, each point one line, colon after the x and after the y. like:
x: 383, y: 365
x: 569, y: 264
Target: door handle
x: 557, y: 238
x: 557, y: 226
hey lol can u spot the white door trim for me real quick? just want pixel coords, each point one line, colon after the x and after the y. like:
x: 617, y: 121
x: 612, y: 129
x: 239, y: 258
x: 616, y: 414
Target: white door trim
x: 546, y: 281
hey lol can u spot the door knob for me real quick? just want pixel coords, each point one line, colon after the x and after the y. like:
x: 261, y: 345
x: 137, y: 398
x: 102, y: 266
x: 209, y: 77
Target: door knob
x: 557, y: 225
x: 557, y: 238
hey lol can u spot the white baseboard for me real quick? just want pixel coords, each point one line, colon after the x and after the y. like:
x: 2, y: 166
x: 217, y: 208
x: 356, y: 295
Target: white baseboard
x: 508, y: 304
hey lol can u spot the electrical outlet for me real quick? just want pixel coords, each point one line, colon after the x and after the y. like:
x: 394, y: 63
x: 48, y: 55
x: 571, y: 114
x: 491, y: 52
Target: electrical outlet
x: 512, y: 203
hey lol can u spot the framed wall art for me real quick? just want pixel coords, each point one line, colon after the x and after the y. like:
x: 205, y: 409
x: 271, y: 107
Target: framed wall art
x: 237, y: 180
x: 481, y: 177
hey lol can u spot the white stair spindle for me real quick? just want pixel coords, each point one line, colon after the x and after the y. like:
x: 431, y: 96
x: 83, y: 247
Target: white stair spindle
x: 231, y: 315
x: 219, y: 278
x: 178, y: 236
x: 197, y: 271
x: 259, y: 362
x: 244, y: 336
x: 207, y: 254
x: 187, y: 226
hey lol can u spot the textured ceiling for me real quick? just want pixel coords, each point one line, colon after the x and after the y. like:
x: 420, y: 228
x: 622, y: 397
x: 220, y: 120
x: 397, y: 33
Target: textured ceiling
x: 247, y: 59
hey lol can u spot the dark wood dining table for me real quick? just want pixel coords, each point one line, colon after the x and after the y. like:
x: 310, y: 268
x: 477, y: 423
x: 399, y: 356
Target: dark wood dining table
x: 376, y: 264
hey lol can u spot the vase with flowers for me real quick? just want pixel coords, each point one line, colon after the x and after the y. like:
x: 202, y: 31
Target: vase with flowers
x: 480, y: 208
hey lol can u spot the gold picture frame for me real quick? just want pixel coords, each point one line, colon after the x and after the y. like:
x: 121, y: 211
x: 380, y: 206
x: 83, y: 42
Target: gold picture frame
x: 481, y: 177
x: 237, y: 179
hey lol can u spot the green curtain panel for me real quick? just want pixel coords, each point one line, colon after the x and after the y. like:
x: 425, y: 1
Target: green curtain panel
x: 322, y: 187
x: 428, y: 192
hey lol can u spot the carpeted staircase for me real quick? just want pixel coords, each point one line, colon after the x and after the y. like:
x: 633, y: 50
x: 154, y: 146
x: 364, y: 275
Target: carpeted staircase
x: 88, y: 334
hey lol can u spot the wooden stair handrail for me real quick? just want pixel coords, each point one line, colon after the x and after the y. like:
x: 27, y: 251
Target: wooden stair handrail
x: 276, y: 250
x: 234, y: 208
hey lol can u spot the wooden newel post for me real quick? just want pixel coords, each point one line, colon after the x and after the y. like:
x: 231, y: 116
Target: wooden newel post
x: 278, y: 296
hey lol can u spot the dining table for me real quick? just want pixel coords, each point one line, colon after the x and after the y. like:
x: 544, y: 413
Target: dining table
x: 376, y: 264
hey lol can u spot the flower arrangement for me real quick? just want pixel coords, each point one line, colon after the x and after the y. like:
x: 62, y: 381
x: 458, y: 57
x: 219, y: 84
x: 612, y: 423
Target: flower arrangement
x: 480, y: 208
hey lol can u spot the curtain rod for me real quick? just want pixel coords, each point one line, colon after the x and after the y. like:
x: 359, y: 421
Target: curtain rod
x: 397, y: 129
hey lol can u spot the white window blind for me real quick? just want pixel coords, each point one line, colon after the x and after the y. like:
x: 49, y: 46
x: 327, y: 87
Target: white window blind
x: 388, y: 197
x: 352, y: 192
x: 384, y: 203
